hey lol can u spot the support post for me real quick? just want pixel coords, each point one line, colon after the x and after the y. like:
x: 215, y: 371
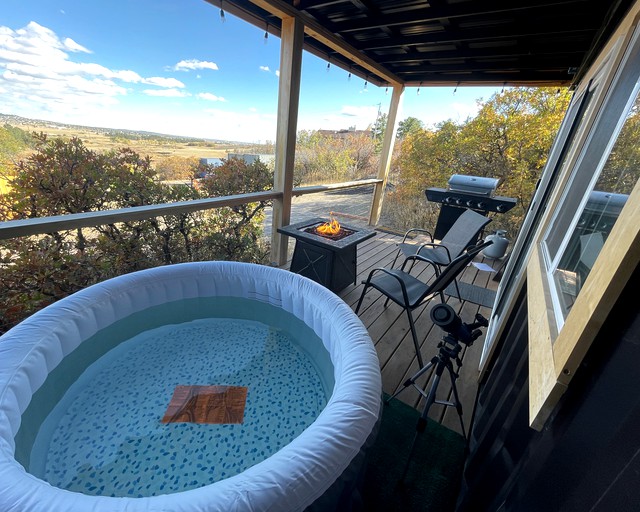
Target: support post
x: 386, y: 153
x: 288, y: 100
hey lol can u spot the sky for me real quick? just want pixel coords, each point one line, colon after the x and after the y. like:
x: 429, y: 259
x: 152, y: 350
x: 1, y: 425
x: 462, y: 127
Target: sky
x: 175, y: 67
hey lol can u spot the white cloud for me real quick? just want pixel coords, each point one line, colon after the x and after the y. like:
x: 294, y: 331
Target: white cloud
x: 166, y: 93
x: 265, y: 68
x: 71, y: 45
x: 253, y: 109
x: 38, y: 78
x: 163, y: 82
x: 191, y: 64
x: 210, y: 97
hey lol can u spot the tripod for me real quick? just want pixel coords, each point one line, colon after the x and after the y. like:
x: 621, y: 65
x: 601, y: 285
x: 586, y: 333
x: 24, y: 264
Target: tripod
x: 449, y: 350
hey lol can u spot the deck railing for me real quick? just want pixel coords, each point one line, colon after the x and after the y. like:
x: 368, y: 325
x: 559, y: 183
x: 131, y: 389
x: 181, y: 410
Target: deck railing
x: 42, y: 225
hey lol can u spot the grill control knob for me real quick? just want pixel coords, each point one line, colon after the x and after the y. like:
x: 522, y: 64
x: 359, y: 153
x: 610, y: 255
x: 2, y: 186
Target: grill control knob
x: 459, y: 202
x: 481, y: 205
x: 448, y: 200
x: 470, y: 204
x: 500, y: 208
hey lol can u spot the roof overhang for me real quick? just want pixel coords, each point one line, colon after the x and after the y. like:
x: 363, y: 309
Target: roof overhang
x: 447, y: 42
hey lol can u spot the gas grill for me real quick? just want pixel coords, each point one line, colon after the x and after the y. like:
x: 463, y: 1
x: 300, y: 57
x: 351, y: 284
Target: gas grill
x: 472, y: 192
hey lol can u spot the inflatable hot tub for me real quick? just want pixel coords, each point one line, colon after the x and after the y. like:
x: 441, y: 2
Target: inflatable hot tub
x: 318, y: 469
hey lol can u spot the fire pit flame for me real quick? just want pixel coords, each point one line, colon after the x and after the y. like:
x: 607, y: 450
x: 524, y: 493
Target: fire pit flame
x: 329, y: 228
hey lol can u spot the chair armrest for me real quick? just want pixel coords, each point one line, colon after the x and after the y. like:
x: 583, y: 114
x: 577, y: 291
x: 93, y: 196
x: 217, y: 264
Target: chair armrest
x: 435, y: 246
x: 416, y: 230
x: 418, y: 257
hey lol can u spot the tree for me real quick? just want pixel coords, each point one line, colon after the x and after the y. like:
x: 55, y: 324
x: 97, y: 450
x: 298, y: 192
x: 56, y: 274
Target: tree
x: 13, y: 142
x: 64, y: 177
x: 175, y: 167
x: 378, y: 129
x: 509, y: 139
x: 344, y: 156
x: 409, y: 126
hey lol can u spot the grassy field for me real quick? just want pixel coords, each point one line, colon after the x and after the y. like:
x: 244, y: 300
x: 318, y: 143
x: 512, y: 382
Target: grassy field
x: 157, y: 146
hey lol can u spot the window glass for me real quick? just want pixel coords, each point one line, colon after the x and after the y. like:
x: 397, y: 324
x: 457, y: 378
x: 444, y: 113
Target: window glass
x: 604, y: 202
x: 572, y: 201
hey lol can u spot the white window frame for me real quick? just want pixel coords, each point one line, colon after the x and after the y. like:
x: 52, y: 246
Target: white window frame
x: 556, y: 349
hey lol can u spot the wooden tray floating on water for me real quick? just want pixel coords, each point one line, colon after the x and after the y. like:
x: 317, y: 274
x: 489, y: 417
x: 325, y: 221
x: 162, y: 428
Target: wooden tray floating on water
x: 206, y: 404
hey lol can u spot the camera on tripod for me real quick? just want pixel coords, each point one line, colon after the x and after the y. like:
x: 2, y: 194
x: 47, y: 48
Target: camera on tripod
x: 446, y: 318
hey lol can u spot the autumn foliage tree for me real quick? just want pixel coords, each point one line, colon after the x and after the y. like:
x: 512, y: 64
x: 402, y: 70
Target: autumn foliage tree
x: 509, y: 139
x: 64, y: 177
x: 326, y: 158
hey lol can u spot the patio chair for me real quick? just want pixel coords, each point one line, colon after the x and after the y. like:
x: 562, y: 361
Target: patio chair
x: 410, y: 292
x: 461, y: 235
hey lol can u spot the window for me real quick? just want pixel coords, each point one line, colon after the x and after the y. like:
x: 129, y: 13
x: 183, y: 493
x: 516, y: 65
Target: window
x: 574, y: 242
x: 588, y: 243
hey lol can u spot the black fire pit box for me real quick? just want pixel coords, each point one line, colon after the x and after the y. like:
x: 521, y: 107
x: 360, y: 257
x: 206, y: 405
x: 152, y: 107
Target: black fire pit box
x: 332, y: 263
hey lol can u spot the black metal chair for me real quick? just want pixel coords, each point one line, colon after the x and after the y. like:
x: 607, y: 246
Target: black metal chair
x: 462, y: 234
x: 410, y: 292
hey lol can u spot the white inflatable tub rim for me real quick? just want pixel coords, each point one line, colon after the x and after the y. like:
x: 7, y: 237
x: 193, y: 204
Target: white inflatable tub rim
x: 291, y: 479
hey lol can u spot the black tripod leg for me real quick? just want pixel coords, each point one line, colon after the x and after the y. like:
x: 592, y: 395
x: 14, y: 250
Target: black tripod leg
x: 422, y: 420
x: 456, y: 398
x: 412, y: 380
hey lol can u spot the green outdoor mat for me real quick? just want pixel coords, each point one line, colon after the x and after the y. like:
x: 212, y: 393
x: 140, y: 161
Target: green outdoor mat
x: 434, y: 474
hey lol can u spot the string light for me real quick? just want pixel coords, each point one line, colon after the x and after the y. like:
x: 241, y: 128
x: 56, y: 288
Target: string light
x: 266, y: 34
x: 503, y: 86
x: 328, y: 64
x: 222, y: 18
x: 418, y: 91
x: 386, y: 90
x: 456, y: 89
x: 366, y: 82
x: 349, y: 77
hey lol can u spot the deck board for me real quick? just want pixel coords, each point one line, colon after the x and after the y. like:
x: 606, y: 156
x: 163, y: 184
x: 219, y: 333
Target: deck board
x: 389, y: 329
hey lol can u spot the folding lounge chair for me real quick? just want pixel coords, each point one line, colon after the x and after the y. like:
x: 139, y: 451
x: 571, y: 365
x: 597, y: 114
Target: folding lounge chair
x: 409, y: 292
x: 461, y: 235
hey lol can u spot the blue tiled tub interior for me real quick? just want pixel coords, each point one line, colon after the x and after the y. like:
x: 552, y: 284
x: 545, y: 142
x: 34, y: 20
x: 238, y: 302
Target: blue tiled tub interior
x: 84, y: 383
x: 103, y: 435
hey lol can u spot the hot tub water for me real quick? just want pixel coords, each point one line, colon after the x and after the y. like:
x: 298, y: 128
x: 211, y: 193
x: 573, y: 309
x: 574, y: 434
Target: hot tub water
x: 105, y: 436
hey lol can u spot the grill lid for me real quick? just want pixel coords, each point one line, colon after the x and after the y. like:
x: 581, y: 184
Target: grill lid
x: 473, y: 184
x: 606, y: 202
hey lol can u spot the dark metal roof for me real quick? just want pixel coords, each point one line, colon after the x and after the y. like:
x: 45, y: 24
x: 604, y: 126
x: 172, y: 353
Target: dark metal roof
x: 451, y: 42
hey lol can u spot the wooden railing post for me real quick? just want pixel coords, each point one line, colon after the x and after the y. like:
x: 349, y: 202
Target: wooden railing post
x: 386, y: 154
x: 288, y: 100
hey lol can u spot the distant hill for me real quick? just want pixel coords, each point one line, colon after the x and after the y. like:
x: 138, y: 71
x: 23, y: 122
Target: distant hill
x: 46, y: 126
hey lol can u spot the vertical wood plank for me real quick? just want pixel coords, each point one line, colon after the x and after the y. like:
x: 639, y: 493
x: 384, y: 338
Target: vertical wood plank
x: 288, y: 101
x: 386, y: 153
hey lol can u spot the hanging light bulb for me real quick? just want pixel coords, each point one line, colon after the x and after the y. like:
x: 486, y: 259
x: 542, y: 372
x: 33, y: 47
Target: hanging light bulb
x: 222, y: 18
x: 503, y: 86
x: 349, y: 77
x: 366, y: 82
x: 418, y: 91
x: 329, y: 64
x: 456, y: 89
x: 386, y: 90
x: 266, y: 34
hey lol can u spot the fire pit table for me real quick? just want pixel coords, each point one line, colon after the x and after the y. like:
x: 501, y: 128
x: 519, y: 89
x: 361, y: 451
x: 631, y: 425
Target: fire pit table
x: 327, y: 259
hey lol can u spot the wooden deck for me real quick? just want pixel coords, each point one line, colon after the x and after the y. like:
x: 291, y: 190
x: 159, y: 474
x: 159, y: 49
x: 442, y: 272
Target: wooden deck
x: 389, y: 330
